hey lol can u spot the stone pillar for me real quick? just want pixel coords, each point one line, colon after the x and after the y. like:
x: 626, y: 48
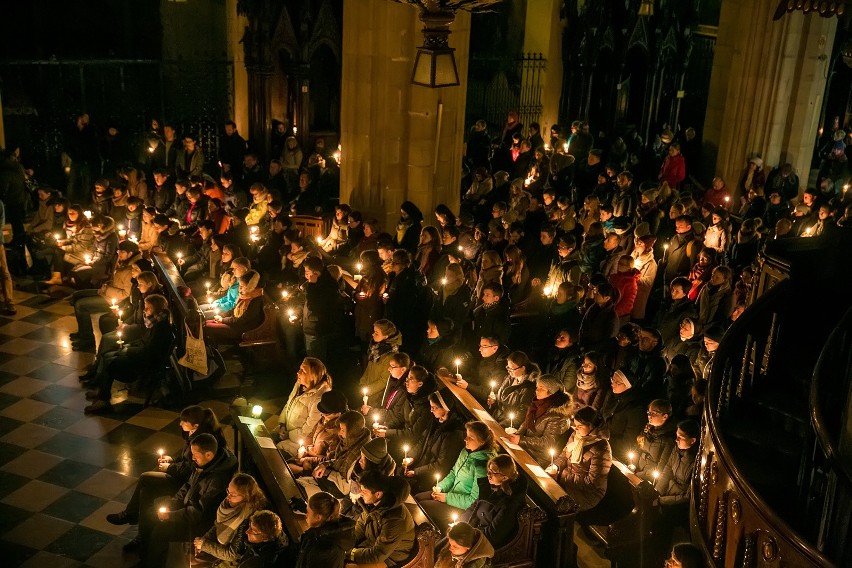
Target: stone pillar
x: 239, y: 102
x: 400, y: 141
x: 259, y: 109
x: 766, y: 88
x: 543, y: 34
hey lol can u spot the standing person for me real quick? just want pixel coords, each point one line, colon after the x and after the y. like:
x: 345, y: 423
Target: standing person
x: 657, y: 441
x: 409, y: 301
x: 329, y: 536
x: 14, y: 195
x: 7, y: 286
x: 409, y: 226
x: 189, y: 161
x: 232, y: 147
x: 683, y: 249
x: 385, y: 343
x: 322, y: 312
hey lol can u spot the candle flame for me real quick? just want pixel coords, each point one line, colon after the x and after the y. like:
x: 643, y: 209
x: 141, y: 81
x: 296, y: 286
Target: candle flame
x: 257, y: 410
x: 405, y: 448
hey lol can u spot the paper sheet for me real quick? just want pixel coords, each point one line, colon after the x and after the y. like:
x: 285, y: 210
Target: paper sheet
x: 482, y: 415
x: 536, y: 469
x: 510, y: 444
x: 266, y: 443
x: 251, y: 420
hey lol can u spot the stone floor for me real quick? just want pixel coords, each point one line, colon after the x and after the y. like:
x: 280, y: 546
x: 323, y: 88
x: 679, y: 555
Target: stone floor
x: 62, y: 472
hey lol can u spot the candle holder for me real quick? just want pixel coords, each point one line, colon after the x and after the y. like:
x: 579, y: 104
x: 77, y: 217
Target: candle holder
x: 511, y: 429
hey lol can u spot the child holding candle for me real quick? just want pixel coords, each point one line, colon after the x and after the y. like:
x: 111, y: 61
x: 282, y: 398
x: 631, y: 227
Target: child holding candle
x: 326, y: 434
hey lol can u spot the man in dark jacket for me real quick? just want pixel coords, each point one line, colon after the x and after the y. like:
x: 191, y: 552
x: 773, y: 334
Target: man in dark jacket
x: 409, y: 301
x: 384, y: 532
x: 232, y: 147
x: 680, y: 307
x: 624, y: 414
x: 683, y: 249
x: 491, y: 318
x: 600, y: 324
x: 322, y: 312
x: 651, y: 371
x: 197, y: 265
x: 192, y: 510
x: 562, y: 360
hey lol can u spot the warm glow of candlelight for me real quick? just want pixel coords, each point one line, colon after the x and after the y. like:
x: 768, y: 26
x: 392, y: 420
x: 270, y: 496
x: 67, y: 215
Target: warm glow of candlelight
x: 256, y: 410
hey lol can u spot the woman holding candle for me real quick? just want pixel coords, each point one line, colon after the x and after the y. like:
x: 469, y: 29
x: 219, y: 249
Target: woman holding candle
x: 77, y: 244
x: 386, y: 341
x: 243, y: 498
x: 407, y: 421
x: 502, y: 495
x: 330, y: 475
x: 453, y: 301
x: 582, y: 467
x: 459, y: 489
x: 547, y: 420
x: 644, y: 261
x: 434, y: 453
x: 325, y: 436
x: 428, y: 251
x: 657, y: 440
x: 674, y: 481
x: 517, y: 389
x: 259, y: 542
x: 369, y: 306
x: 99, y: 265
x: 246, y: 315
x: 301, y: 412
x: 591, y: 388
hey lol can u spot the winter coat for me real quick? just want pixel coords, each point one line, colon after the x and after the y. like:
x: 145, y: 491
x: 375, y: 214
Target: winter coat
x: 492, y: 321
x: 188, y: 168
x: 479, y: 556
x: 682, y: 255
x: 454, y: 306
x: 118, y: 288
x: 600, y: 324
x: 375, y: 377
x: 624, y: 416
x: 151, y: 351
x: 239, y: 552
x: 673, y: 171
x: 676, y: 476
x: 627, y: 285
x: 669, y: 322
x: 197, y: 501
x: 495, y: 512
x: 647, y: 276
x: 258, y: 209
x: 715, y: 304
x: 716, y: 238
x: 515, y: 396
x: 385, y: 532
x: 326, y: 545
x: 300, y: 415
x: 347, y: 452
x: 182, y: 466
x: 43, y: 220
x: 80, y: 244
x: 321, y: 442
x: 653, y: 448
x: 408, y: 305
x: 650, y: 373
x: 435, y: 451
x: 563, y: 364
x: 548, y: 430
x: 323, y: 310
x: 563, y: 270
x: 439, y: 354
x: 409, y: 420
x: 251, y: 319
x: 488, y: 369
x: 585, y: 481
x: 595, y: 397
x: 460, y: 485
x: 161, y: 197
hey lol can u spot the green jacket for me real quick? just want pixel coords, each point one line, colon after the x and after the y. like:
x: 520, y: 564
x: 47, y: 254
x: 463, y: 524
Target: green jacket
x: 460, y: 484
x: 375, y: 377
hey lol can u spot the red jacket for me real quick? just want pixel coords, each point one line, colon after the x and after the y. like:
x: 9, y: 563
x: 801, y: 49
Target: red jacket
x: 627, y: 284
x: 673, y: 171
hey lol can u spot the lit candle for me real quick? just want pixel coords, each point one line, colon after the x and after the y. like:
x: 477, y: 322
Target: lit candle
x: 88, y: 258
x: 637, y: 264
x: 207, y: 285
x: 319, y: 240
x: 552, y: 455
x: 727, y: 198
x: 358, y: 267
x: 547, y: 291
x: 57, y: 237
x: 120, y: 341
x: 285, y: 294
x: 405, y: 451
x: 458, y: 364
x: 385, y: 296
x: 180, y: 257
x: 122, y: 233
x: 291, y: 315
x: 631, y: 457
x: 160, y: 452
x: 565, y: 147
x: 656, y: 475
x: 845, y: 188
x: 150, y: 150
x: 376, y: 423
x: 254, y: 229
x: 461, y: 248
x: 511, y: 419
x: 455, y: 518
x: 437, y: 489
x: 113, y: 303
x: 295, y: 130
x: 87, y: 214
x: 164, y: 510
x: 302, y: 448
x: 546, y: 147
x: 443, y: 281
x: 364, y: 391
x: 209, y: 298
x: 256, y: 410
x: 493, y: 394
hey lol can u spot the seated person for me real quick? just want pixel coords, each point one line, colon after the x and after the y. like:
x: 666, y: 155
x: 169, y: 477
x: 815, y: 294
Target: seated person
x: 197, y: 265
x: 490, y: 370
x: 329, y: 536
x: 562, y: 359
x: 624, y: 414
x: 117, y: 289
x: 385, y: 342
x: 466, y: 547
x: 374, y: 457
x: 230, y: 288
x: 246, y: 315
x: 592, y: 389
x: 384, y: 531
x: 435, y: 452
x: 192, y: 510
x: 407, y: 421
x: 547, y: 420
x: 517, y: 389
x: 326, y: 433
x: 331, y: 474
x: 673, y: 483
x: 72, y: 248
x: 583, y: 466
x: 151, y: 351
x: 438, y: 349
x: 243, y: 498
x: 657, y: 441
x: 502, y: 495
x: 459, y: 489
x: 301, y: 412
x: 491, y: 317
x: 98, y: 266
x: 260, y: 542
x: 393, y: 394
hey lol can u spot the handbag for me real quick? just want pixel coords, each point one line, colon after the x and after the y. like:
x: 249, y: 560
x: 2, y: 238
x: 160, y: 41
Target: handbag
x: 195, y: 356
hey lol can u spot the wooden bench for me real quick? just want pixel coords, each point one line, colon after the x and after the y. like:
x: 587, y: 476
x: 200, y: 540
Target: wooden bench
x: 250, y: 439
x: 547, y: 495
x: 309, y: 227
x: 522, y: 550
x: 265, y: 335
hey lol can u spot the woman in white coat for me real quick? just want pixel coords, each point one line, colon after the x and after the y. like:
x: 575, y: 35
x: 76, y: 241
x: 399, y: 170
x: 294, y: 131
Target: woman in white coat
x: 300, y: 415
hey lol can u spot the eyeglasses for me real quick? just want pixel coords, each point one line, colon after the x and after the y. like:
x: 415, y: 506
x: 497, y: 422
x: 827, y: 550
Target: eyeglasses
x: 492, y: 473
x: 654, y: 413
x: 487, y: 346
x: 510, y: 368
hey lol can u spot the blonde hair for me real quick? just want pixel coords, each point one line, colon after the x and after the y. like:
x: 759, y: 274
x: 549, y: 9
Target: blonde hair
x: 247, y: 485
x: 317, y: 371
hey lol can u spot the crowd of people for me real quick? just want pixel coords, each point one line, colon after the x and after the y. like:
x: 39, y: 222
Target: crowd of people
x: 579, y: 294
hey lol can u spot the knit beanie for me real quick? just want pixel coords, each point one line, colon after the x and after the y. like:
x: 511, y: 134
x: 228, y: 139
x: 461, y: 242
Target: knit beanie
x: 463, y: 534
x: 551, y: 383
x: 375, y: 450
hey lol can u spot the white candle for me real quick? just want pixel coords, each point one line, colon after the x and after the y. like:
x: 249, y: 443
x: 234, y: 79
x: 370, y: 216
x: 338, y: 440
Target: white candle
x: 376, y: 423
x: 88, y: 259
x: 437, y: 489
x: 552, y: 455
x: 443, y: 281
x: 164, y: 510
x: 160, y: 452
x: 319, y: 240
x: 511, y: 419
x: 285, y: 294
x: 295, y: 130
x: 405, y: 451
x: 302, y: 448
x: 631, y: 458
x: 458, y: 363
x: 291, y: 315
x: 57, y: 236
x: 656, y: 475
x: 87, y: 214
x: 364, y: 391
x: 207, y: 285
x: 113, y: 302
x: 492, y: 394
x: 358, y: 267
x: 455, y: 518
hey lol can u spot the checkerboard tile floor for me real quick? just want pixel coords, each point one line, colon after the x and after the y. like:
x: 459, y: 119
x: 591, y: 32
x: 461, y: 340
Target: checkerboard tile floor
x: 62, y: 472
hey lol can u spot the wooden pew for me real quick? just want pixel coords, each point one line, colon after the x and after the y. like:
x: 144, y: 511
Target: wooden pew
x: 251, y: 443
x: 546, y: 492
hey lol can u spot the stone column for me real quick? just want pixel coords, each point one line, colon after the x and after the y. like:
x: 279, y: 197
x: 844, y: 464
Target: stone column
x: 766, y: 88
x: 543, y: 34
x: 399, y: 141
x: 239, y: 102
x: 259, y: 109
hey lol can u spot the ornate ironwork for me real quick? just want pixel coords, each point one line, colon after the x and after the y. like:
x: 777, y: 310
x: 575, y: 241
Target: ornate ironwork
x: 704, y: 497
x: 749, y: 345
x: 767, y: 352
x: 719, y: 534
x: 748, y: 551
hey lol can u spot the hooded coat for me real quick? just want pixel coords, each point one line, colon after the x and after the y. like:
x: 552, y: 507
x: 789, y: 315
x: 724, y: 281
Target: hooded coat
x: 460, y: 485
x: 436, y: 450
x: 300, y: 415
x: 340, y: 460
x: 385, y: 532
x: 495, y: 512
x: 653, y: 448
x: 715, y: 304
x: 197, y: 501
x: 375, y: 376
x: 548, y: 430
x: 326, y: 545
x: 586, y: 481
x: 624, y: 417
x: 676, y: 476
x: 480, y: 554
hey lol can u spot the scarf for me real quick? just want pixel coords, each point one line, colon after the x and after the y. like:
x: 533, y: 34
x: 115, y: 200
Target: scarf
x: 451, y: 287
x: 381, y: 348
x: 537, y: 409
x: 243, y: 301
x: 401, y: 229
x: 228, y: 520
x: 575, y: 447
x: 586, y: 382
x: 150, y: 321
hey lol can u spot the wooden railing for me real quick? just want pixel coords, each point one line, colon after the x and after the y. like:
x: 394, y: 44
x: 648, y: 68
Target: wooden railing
x: 546, y: 492
x: 733, y: 523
